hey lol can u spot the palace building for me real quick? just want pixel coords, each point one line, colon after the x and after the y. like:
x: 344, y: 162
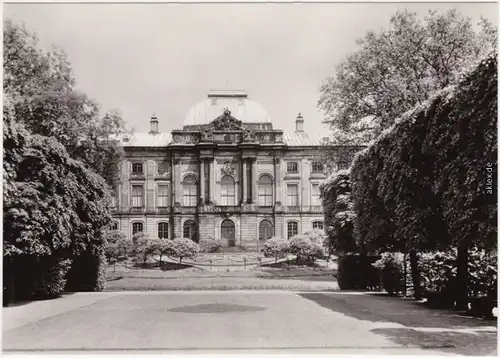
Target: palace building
x: 228, y: 174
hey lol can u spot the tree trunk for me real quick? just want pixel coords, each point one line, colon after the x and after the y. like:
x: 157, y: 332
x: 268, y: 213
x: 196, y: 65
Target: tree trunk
x: 461, y: 285
x: 415, y: 274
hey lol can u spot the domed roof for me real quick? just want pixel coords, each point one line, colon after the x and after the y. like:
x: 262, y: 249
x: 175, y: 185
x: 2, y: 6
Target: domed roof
x: 241, y: 108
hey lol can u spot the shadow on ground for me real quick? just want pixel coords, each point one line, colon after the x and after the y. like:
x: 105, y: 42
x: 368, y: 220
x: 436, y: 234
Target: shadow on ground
x: 380, y: 308
x: 472, y: 344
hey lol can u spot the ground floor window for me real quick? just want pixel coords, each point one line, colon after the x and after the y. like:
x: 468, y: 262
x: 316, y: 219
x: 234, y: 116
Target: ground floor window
x: 137, y: 228
x: 190, y: 230
x: 292, y: 229
x: 265, y: 230
x: 163, y: 230
x: 318, y: 225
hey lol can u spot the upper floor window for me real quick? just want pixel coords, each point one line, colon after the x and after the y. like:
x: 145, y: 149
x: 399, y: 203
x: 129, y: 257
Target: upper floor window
x: 137, y: 196
x: 292, y: 167
x: 315, y: 200
x: 228, y: 195
x: 317, y: 225
x: 162, y: 168
x: 342, y: 165
x: 163, y: 230
x: 162, y: 199
x: 189, y: 191
x: 317, y: 167
x: 137, y: 168
x: 292, y: 229
x: 292, y: 194
x: 265, y: 191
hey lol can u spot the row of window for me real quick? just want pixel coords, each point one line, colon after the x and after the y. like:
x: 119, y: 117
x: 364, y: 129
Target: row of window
x: 291, y: 167
x: 228, y: 193
x: 190, y: 228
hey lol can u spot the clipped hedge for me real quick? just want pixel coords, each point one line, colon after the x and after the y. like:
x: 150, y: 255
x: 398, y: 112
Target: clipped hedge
x: 356, y: 272
x: 426, y: 183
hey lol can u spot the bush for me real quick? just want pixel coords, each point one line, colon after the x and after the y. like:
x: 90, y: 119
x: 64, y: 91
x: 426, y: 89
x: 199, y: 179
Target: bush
x: 276, y: 247
x: 50, y: 277
x: 183, y: 248
x: 212, y: 246
x: 391, y: 266
x: 88, y: 271
x: 356, y: 272
x: 318, y: 239
x: 305, y: 249
x: 438, y: 270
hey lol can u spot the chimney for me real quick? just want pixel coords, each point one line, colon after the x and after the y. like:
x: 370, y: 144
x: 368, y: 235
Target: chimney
x: 299, y: 124
x: 153, y: 124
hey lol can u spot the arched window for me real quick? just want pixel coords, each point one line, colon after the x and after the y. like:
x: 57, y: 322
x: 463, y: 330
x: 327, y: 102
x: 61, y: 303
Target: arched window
x: 317, y: 167
x: 137, y: 168
x: 190, y: 230
x: 227, y: 190
x: 292, y: 167
x: 163, y: 230
x: 137, y: 227
x: 114, y: 226
x: 317, y: 225
x: 292, y: 229
x: 189, y: 191
x: 265, y: 230
x: 265, y: 191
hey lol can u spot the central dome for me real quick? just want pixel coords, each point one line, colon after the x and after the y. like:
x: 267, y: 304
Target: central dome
x: 237, y: 102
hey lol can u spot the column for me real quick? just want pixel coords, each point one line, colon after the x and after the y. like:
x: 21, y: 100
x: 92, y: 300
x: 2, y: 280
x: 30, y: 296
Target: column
x: 202, y: 181
x: 211, y: 181
x: 278, y: 181
x: 244, y: 181
x: 254, y: 180
x: 177, y: 181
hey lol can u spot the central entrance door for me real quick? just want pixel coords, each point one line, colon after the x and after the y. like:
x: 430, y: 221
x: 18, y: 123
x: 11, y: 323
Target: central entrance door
x: 228, y: 232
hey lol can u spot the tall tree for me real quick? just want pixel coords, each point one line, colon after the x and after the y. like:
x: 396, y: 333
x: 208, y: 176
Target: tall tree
x: 41, y: 88
x: 399, y: 68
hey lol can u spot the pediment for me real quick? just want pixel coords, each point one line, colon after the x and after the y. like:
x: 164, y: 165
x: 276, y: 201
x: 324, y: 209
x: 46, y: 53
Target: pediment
x: 226, y: 122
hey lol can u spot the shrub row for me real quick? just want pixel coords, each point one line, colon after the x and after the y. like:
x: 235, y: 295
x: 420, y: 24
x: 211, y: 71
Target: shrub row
x: 306, y: 247
x: 422, y: 185
x: 143, y: 248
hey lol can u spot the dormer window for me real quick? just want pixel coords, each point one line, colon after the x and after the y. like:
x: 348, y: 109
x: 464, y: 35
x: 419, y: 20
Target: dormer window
x: 137, y: 168
x: 292, y: 167
x: 317, y: 167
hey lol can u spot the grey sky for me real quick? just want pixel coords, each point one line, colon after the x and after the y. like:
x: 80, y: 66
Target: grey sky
x: 163, y: 58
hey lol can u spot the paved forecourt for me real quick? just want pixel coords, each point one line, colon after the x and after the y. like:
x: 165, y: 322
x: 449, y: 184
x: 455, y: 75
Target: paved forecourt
x: 189, y: 320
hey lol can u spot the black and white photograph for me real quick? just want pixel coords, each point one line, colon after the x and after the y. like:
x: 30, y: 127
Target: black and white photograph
x: 230, y: 178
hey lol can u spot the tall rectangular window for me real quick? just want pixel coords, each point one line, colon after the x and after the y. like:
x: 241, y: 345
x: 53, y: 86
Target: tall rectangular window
x: 292, y: 192
x: 292, y: 229
x: 137, y: 196
x: 315, y: 200
x: 162, y: 198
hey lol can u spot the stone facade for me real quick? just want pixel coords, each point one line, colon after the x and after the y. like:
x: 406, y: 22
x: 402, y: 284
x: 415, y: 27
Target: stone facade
x: 221, y: 178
